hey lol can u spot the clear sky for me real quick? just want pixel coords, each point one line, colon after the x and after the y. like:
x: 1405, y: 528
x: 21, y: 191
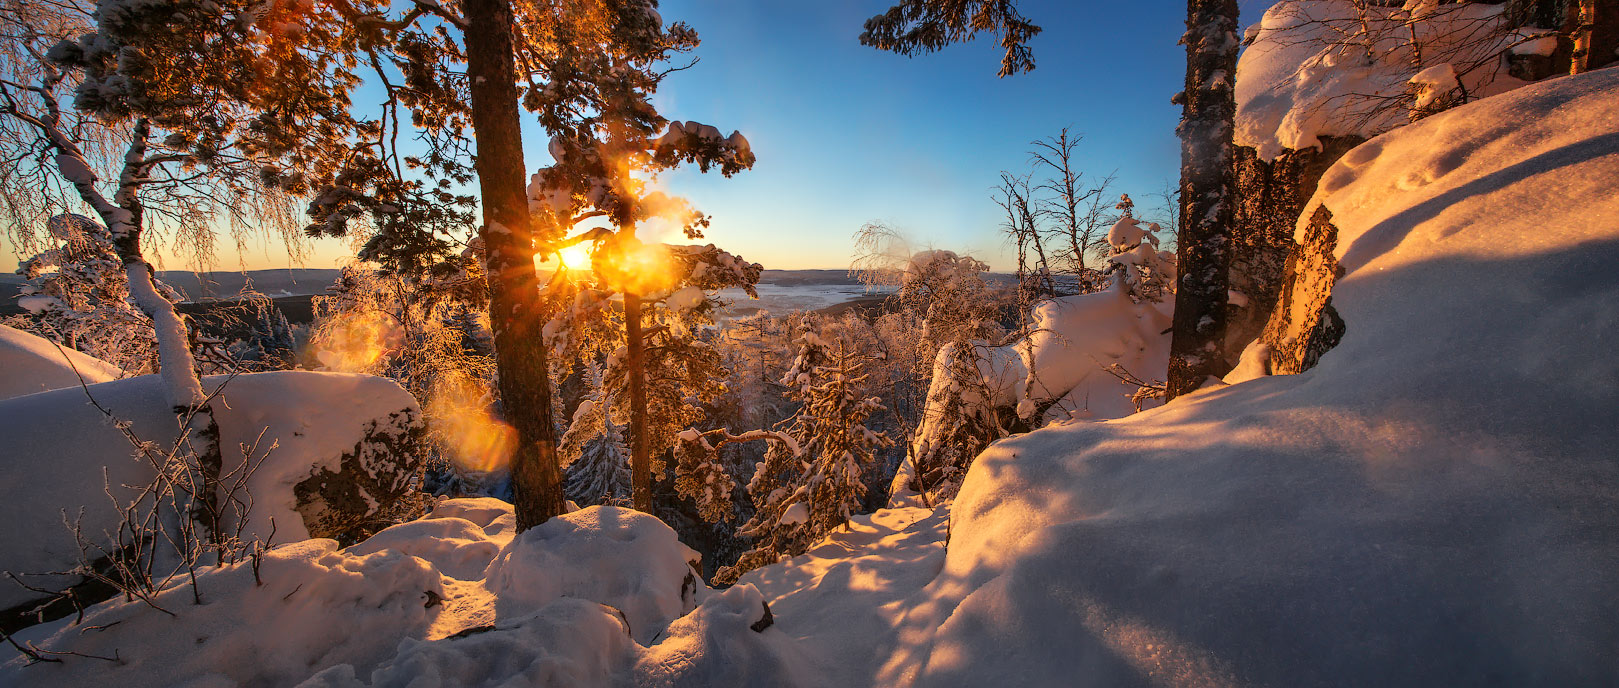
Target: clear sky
x: 846, y: 134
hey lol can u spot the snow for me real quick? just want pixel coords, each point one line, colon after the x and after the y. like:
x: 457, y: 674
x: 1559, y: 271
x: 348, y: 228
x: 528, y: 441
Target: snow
x: 1126, y: 232
x: 614, y: 556
x: 33, y: 364
x: 1434, y: 82
x: 685, y: 298
x: 840, y: 599
x: 57, y: 445
x: 1531, y: 41
x: 795, y: 514
x: 452, y: 599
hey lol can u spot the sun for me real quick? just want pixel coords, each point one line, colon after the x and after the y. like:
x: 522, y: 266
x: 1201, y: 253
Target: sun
x: 576, y: 257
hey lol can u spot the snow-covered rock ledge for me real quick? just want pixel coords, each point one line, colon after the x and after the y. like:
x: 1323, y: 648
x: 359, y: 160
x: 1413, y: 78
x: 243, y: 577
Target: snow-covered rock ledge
x: 1436, y: 503
x: 342, y: 454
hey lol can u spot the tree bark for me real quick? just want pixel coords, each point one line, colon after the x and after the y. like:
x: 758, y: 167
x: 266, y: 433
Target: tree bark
x: 640, y: 460
x: 1205, y: 240
x: 509, y: 243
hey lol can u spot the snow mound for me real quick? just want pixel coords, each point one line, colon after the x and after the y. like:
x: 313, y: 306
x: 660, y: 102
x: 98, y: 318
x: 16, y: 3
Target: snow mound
x: 1436, y: 503
x: 570, y: 642
x: 1062, y: 365
x: 614, y: 556
x: 33, y: 364
x: 731, y: 640
x: 61, y: 453
x: 1076, y: 337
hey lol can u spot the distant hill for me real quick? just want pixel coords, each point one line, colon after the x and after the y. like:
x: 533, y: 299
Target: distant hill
x: 294, y: 286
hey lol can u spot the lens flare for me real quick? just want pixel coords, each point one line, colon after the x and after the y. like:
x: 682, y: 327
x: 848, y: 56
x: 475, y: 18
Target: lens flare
x: 459, y: 414
x: 629, y: 266
x: 358, y: 343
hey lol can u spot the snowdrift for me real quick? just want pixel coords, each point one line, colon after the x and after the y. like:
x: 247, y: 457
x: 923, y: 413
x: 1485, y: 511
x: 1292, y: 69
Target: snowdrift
x: 30, y: 363
x: 55, y: 447
x: 1437, y: 503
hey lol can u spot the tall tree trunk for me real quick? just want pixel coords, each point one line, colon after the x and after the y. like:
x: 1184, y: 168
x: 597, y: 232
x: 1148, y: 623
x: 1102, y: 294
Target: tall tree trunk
x: 640, y: 460
x: 1205, y: 241
x: 509, y: 243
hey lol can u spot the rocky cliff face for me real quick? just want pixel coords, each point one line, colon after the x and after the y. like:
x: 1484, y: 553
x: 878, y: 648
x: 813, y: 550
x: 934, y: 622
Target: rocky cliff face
x: 1303, y: 324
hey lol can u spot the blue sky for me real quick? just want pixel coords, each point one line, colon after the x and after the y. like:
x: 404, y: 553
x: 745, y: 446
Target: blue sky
x: 846, y: 134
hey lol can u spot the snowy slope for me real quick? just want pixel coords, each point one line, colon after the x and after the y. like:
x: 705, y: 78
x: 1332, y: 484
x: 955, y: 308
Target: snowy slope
x: 30, y: 363
x: 1437, y: 503
x: 55, y: 445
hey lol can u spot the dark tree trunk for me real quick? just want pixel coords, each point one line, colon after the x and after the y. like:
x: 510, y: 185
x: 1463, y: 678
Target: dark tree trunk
x: 509, y: 241
x: 640, y: 460
x: 1205, y: 245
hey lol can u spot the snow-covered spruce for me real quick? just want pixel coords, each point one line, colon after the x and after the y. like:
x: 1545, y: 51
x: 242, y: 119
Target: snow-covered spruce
x: 813, y: 481
x: 77, y: 295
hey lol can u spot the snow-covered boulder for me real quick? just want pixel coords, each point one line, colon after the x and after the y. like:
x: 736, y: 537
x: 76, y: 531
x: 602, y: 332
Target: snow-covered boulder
x: 62, y: 456
x: 618, y: 557
x: 1435, y: 503
x: 1316, y: 69
x: 731, y: 640
x: 1075, y: 338
x: 30, y: 363
x: 569, y: 642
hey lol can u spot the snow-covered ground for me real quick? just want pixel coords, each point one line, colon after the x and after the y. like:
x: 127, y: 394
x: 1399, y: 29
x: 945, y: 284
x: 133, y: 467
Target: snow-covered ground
x: 596, y: 597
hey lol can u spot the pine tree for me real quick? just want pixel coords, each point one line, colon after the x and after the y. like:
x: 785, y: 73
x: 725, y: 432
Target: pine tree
x: 924, y: 26
x: 1134, y: 258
